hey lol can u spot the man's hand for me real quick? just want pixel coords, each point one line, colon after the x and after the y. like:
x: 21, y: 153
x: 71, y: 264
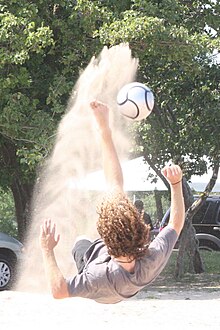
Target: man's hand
x: 172, y: 173
x: 54, y: 275
x: 47, y: 236
x: 101, y: 113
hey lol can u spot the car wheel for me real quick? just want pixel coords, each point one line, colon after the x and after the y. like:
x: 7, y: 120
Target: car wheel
x: 207, y: 245
x: 205, y: 248
x: 6, y: 272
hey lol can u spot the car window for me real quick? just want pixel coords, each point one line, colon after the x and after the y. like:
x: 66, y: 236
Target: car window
x: 207, y: 213
x: 200, y: 214
x: 210, y: 216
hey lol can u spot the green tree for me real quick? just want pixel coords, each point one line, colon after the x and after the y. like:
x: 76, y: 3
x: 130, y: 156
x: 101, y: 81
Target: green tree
x: 44, y: 45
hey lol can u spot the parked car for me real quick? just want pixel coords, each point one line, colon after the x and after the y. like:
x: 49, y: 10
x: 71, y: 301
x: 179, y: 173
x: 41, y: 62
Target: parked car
x: 206, y: 223
x: 11, y: 253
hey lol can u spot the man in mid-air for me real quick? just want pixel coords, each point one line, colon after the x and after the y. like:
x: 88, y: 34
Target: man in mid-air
x: 123, y: 260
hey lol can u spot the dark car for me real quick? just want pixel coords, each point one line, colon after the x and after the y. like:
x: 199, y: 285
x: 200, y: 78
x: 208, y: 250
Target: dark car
x: 206, y: 223
x: 11, y: 252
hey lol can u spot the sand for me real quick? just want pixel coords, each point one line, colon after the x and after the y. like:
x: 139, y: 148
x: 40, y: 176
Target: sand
x: 166, y: 310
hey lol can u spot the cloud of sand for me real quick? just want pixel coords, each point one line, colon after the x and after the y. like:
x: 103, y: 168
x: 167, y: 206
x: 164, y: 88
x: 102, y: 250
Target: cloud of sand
x: 76, y: 152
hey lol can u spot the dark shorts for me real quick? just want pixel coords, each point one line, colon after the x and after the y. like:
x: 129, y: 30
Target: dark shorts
x: 78, y: 253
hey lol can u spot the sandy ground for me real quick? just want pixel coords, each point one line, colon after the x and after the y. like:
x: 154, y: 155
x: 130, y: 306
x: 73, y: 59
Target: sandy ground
x: 160, y: 310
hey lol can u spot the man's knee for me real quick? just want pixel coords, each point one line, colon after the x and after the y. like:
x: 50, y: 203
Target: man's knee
x: 82, y: 238
x: 81, y: 244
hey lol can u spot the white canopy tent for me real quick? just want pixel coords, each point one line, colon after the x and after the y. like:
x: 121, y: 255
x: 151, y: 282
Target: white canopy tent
x: 138, y: 177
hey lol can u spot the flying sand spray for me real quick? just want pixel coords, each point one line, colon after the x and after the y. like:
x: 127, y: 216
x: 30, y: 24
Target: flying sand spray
x: 76, y: 152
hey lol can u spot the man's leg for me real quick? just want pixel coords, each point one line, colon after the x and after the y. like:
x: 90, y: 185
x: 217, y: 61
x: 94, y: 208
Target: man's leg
x: 80, y: 247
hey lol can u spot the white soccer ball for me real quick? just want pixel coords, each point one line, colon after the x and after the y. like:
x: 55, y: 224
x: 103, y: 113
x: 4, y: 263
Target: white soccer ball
x: 135, y: 101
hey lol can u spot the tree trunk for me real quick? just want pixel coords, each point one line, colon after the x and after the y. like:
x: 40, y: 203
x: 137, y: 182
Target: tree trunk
x: 21, y: 191
x: 22, y: 197
x: 188, y: 246
x: 159, y: 207
x: 188, y: 249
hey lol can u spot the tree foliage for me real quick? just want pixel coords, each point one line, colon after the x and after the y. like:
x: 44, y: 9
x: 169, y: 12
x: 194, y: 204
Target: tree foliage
x: 44, y: 44
x: 175, y: 42
x: 8, y: 223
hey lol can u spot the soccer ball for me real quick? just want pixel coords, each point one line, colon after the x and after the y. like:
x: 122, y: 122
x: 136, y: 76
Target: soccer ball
x: 135, y: 101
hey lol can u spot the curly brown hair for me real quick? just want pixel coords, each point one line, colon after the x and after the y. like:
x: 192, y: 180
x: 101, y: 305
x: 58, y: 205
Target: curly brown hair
x: 122, y: 227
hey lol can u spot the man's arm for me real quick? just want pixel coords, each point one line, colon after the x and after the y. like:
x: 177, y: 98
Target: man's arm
x: 111, y: 165
x: 173, y: 174
x: 55, y: 278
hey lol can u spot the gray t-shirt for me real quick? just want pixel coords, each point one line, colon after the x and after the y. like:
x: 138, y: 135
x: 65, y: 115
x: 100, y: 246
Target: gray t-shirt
x: 105, y: 281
